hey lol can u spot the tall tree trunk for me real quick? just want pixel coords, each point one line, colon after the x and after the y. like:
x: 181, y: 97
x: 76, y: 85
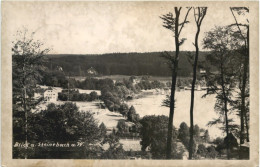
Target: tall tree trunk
x: 192, y: 91
x: 200, y: 16
x: 225, y: 110
x: 244, y: 80
x: 243, y: 94
x: 25, y: 110
x: 226, y: 120
x: 26, y: 126
x: 242, y: 123
x: 246, y: 65
x: 174, y: 77
x: 247, y: 128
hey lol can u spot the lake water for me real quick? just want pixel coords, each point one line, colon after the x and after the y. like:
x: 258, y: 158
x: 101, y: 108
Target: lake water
x: 203, y: 109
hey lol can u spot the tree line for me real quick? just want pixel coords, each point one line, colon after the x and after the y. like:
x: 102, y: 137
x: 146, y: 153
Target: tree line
x: 74, y: 95
x: 120, y: 64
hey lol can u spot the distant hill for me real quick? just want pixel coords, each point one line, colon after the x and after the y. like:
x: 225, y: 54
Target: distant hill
x: 121, y: 63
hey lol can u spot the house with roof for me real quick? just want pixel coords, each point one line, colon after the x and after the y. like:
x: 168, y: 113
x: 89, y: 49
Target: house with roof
x: 202, y: 71
x: 92, y: 71
x: 50, y: 95
x: 59, y: 68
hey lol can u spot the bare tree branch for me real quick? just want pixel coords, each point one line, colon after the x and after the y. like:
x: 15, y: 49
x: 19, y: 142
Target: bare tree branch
x: 237, y: 24
x: 185, y: 21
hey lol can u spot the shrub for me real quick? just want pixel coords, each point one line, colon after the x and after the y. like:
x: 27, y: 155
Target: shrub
x: 115, y: 150
x: 93, y: 96
x: 122, y: 127
x: 103, y: 129
x: 132, y: 115
x: 202, y: 150
x: 212, y: 153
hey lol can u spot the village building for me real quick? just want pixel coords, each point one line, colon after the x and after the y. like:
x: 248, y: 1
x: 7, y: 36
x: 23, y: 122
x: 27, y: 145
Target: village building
x: 37, y: 96
x: 50, y: 96
x: 92, y: 71
x: 136, y: 81
x: 202, y: 71
x: 59, y: 68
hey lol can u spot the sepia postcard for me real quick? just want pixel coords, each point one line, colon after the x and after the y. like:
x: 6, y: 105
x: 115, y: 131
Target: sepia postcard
x: 130, y: 83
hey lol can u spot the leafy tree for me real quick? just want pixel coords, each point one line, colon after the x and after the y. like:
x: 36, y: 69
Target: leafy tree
x: 232, y: 140
x: 199, y: 14
x: 202, y: 150
x: 54, y: 78
x: 115, y: 150
x: 90, y: 152
x: 243, y: 32
x: 157, y: 84
x: 132, y: 78
x: 218, y: 141
x: 103, y: 129
x: 113, y: 98
x: 154, y: 135
x: 27, y: 66
x: 211, y: 152
x: 73, y: 95
x: 220, y: 145
x: 206, y: 136
x: 112, y: 139
x: 122, y: 127
x: 173, y: 24
x: 114, y: 153
x: 62, y: 124
x: 132, y: 115
x: 184, y: 132
x: 136, y: 127
x: 124, y: 109
x: 65, y: 123
x: 184, y: 137
x: 167, y: 101
x: 93, y: 96
x: 145, y: 84
x: 62, y: 96
x: 221, y: 43
x: 196, y: 132
x: 145, y: 78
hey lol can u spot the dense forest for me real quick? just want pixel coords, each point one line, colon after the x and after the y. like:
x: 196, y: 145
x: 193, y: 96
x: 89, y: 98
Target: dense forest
x: 122, y: 63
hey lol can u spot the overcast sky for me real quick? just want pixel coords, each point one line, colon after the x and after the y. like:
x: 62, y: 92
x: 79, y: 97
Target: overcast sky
x: 99, y: 27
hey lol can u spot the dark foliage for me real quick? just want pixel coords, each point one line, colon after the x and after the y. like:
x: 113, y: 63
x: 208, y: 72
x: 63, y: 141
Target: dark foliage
x: 103, y: 129
x: 211, y: 152
x: 121, y: 64
x: 202, y: 150
x: 59, y: 124
x: 132, y: 115
x: 154, y: 136
x: 232, y: 140
x: 115, y: 150
x: 74, y: 95
x: 122, y: 127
